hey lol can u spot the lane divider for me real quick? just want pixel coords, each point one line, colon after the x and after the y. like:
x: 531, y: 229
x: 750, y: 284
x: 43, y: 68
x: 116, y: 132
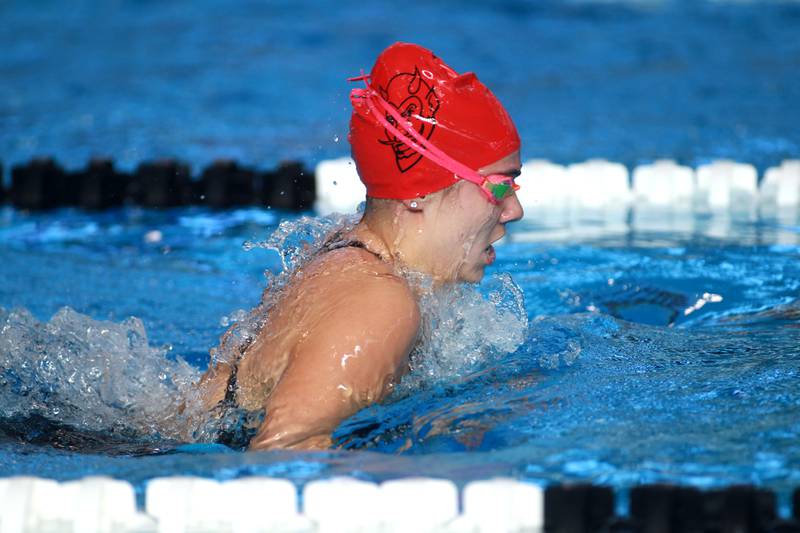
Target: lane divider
x: 664, y: 183
x: 256, y: 504
x: 592, y: 188
x: 44, y: 184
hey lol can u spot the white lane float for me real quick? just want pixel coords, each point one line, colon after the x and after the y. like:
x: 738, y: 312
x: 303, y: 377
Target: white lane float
x: 726, y: 186
x: 594, y: 191
x: 594, y: 198
x: 98, y: 504
x: 182, y: 504
x: 258, y: 504
x: 663, y: 197
x: 664, y: 184
x: 544, y: 186
x: 342, y: 504
x: 418, y: 504
x: 339, y: 190
x: 599, y: 185
x: 780, y: 188
x: 29, y: 504
x: 504, y: 505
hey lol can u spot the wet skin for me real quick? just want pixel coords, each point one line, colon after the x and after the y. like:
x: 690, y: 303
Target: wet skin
x: 339, y: 336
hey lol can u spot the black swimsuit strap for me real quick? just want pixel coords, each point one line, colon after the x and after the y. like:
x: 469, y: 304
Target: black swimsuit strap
x: 352, y: 244
x: 230, y: 388
x: 336, y: 242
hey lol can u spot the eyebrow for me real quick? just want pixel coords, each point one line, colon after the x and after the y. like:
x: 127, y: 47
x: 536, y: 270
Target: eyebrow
x: 512, y: 173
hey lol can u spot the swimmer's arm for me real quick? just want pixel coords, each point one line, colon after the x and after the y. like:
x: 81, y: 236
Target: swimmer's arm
x: 348, y: 362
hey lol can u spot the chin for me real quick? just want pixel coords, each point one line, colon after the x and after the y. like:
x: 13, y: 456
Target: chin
x: 474, y: 275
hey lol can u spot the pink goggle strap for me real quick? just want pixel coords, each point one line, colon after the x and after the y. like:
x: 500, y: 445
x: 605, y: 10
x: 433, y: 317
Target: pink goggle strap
x: 419, y: 143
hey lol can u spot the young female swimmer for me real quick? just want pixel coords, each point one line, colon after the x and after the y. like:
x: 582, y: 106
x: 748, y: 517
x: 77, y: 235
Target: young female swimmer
x: 437, y: 153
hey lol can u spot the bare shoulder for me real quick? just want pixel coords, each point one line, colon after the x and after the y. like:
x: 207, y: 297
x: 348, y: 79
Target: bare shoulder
x: 358, y: 281
x: 358, y: 325
x: 352, y: 297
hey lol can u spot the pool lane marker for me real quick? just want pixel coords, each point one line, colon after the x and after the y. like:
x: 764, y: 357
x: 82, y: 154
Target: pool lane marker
x: 664, y: 184
x: 781, y: 185
x: 43, y: 184
x: 339, y: 189
x: 503, y: 505
x: 582, y: 188
x: 256, y: 504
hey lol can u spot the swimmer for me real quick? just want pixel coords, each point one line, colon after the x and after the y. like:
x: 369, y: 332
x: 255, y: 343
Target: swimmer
x: 438, y: 155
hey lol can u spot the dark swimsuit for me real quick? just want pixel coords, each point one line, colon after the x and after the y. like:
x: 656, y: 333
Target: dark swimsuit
x: 237, y: 433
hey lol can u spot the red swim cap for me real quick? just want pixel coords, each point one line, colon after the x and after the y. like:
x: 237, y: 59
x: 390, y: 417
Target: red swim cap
x: 456, y: 113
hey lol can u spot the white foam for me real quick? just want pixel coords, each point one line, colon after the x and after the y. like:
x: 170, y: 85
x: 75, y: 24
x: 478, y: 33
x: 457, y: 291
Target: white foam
x: 339, y: 190
x: 92, y: 374
x: 461, y: 329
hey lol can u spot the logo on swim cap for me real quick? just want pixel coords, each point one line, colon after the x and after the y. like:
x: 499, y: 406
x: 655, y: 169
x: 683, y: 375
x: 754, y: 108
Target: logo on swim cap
x: 416, y: 101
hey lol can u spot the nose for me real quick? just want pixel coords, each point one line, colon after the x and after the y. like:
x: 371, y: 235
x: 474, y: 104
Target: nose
x: 512, y: 209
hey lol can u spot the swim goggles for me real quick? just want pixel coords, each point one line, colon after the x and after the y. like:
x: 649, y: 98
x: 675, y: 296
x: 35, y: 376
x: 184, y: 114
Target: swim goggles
x: 496, y: 187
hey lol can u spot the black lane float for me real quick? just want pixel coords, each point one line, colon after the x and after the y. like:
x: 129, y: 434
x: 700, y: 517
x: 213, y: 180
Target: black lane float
x: 42, y: 183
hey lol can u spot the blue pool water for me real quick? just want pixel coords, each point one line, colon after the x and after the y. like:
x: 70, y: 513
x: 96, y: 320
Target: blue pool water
x: 613, y: 372
x: 263, y: 81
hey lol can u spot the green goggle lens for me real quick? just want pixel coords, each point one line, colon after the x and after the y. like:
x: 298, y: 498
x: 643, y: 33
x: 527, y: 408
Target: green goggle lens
x: 499, y: 190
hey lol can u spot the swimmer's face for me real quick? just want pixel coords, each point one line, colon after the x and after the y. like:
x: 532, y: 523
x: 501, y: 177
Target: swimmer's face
x: 467, y: 224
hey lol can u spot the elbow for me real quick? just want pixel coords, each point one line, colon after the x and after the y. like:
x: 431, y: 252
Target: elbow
x: 290, y: 442
x: 289, y: 433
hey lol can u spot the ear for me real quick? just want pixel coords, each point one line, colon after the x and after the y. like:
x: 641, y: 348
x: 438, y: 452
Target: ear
x: 414, y: 205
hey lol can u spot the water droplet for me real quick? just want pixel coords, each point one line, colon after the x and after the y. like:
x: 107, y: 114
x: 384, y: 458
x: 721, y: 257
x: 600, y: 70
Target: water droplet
x: 336, y: 138
x: 153, y: 236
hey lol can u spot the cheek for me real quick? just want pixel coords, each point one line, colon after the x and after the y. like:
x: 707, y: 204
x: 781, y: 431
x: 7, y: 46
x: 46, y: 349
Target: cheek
x: 482, y: 230
x: 470, y: 222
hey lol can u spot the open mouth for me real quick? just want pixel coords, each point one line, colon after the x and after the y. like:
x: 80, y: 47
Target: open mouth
x: 490, y: 254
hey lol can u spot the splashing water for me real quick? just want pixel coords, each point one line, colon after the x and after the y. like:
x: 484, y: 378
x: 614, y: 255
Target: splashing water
x: 90, y: 374
x: 104, y: 378
x: 296, y: 242
x: 460, y: 329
